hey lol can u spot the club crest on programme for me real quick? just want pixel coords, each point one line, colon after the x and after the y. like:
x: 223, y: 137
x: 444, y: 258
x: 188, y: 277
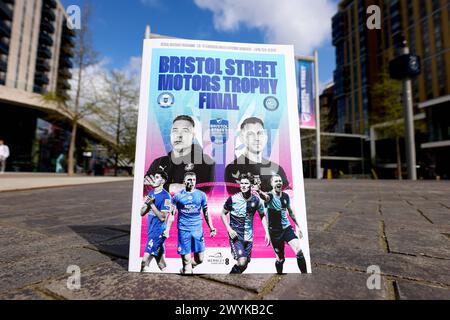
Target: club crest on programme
x: 166, y: 100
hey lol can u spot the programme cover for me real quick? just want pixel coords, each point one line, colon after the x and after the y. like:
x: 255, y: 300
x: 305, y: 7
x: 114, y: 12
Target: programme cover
x: 218, y: 184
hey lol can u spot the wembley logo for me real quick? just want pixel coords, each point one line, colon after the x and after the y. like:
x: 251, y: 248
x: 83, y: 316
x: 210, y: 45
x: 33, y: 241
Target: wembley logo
x: 217, y: 258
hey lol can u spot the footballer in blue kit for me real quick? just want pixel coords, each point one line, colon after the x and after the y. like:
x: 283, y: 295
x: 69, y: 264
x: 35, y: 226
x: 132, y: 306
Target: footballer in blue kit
x: 242, y: 208
x: 189, y: 203
x: 277, y: 204
x: 157, y: 205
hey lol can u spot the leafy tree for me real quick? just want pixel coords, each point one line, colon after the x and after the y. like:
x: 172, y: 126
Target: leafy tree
x: 387, y: 107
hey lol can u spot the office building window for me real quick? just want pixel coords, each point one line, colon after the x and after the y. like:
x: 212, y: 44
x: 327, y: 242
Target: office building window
x: 410, y: 13
x: 436, y: 5
x: 425, y: 38
x: 428, y: 79
x: 437, y: 31
x: 441, y: 73
x: 422, y: 8
x: 412, y: 39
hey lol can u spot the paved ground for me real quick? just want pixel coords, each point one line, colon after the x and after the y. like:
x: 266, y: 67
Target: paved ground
x: 26, y: 181
x: 404, y: 228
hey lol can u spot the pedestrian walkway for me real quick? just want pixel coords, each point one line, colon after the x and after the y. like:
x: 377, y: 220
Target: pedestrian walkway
x: 27, y: 181
x: 368, y: 239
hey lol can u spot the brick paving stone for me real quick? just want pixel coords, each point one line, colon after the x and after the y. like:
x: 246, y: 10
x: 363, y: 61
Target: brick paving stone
x: 35, y: 269
x: 11, y: 235
x: 416, y: 291
x: 418, y: 242
x: 329, y: 239
x: 402, y: 266
x: 89, y: 226
x: 112, y: 281
x: 252, y: 282
x: 356, y: 225
x: 25, y: 294
x: 118, y: 247
x: 326, y: 283
x: 83, y: 237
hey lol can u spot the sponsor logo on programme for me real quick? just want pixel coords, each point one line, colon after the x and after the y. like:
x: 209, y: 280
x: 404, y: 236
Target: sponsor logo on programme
x: 217, y: 258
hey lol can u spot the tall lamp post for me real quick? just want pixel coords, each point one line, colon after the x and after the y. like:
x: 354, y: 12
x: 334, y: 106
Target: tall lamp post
x: 405, y: 67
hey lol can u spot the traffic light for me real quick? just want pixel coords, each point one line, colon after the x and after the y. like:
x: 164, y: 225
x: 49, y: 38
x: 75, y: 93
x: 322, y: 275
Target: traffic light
x: 405, y: 66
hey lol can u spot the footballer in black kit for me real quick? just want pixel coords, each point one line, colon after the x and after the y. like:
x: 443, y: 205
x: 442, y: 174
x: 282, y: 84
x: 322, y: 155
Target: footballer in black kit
x: 254, y: 137
x: 184, y: 157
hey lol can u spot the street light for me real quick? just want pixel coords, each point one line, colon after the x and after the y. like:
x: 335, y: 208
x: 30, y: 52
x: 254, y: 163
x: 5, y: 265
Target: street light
x: 405, y: 67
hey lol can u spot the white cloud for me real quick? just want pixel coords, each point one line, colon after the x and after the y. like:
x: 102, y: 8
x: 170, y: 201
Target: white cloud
x: 303, y: 23
x: 94, y: 79
x: 133, y: 68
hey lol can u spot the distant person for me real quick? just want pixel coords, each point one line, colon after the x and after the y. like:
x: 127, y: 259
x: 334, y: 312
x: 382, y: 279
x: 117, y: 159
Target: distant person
x: 254, y: 137
x: 185, y: 156
x: 4, y: 154
x: 60, y: 164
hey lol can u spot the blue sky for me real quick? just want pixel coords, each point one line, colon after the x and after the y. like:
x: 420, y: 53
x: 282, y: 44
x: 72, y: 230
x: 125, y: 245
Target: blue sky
x: 118, y: 25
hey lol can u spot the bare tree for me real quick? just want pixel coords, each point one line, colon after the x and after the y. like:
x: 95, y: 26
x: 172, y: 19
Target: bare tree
x: 116, y: 109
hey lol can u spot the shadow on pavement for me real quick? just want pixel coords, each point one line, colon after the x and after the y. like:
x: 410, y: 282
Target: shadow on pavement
x: 110, y: 240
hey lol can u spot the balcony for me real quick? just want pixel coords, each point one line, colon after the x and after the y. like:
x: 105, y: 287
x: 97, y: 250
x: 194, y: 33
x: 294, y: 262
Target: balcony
x: 5, y: 11
x: 48, y: 13
x: 47, y: 26
x: 64, y: 73
x: 63, y: 84
x: 3, y: 66
x: 63, y: 94
x: 50, y: 3
x: 42, y: 65
x: 38, y: 89
x: 66, y: 51
x: 45, y: 39
x: 44, y: 52
x: 41, y: 78
x: 67, y: 39
x: 4, y: 48
x: 5, y: 30
x: 65, y: 63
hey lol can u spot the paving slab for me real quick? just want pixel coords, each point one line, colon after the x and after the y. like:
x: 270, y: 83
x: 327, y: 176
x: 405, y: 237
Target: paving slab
x: 327, y: 283
x: 416, y: 291
x: 252, y: 282
x: 25, y: 294
x: 43, y: 231
x: 36, y: 269
x: 418, y: 242
x: 86, y: 236
x: 25, y: 181
x: 112, y: 281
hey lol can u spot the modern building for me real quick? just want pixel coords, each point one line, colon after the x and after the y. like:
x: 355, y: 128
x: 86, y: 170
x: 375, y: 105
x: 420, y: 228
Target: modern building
x: 362, y: 54
x: 342, y: 154
x: 36, y: 48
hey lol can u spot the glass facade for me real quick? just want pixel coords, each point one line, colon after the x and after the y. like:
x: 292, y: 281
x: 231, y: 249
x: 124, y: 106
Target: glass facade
x: 50, y: 147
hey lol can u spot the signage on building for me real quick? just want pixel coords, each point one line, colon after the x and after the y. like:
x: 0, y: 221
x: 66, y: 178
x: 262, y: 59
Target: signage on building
x: 305, y: 85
